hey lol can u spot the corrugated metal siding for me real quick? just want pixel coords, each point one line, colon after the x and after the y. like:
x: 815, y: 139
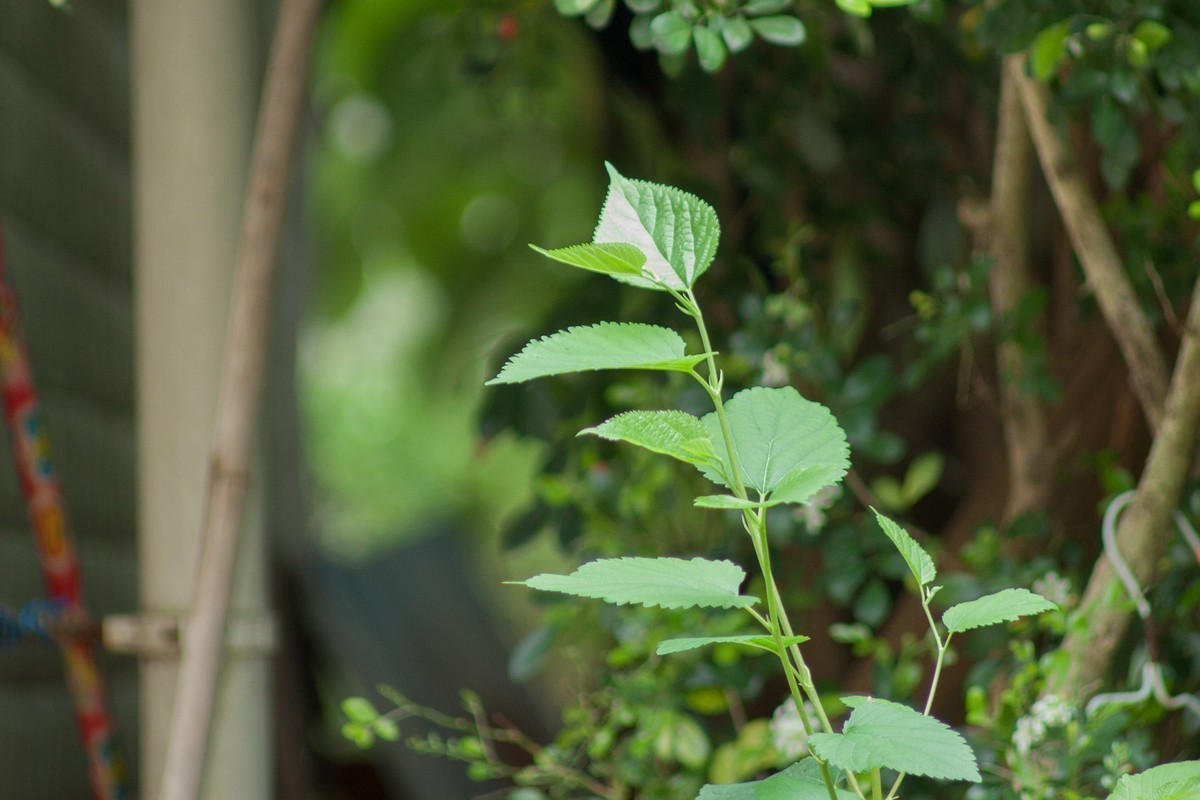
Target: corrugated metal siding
x: 65, y: 207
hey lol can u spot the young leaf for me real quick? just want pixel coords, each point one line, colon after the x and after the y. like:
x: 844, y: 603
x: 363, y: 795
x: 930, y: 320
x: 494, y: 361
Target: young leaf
x: 760, y: 640
x: 672, y: 433
x: 800, y: 781
x: 611, y: 258
x: 608, y: 345
x: 919, y: 561
x: 992, y: 609
x: 677, y: 231
x: 777, y: 432
x: 798, y: 486
x: 881, y: 734
x: 1179, y: 781
x: 665, y: 582
x: 781, y: 30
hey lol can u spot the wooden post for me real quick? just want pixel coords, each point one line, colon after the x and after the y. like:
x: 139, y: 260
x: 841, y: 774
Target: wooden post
x: 238, y: 400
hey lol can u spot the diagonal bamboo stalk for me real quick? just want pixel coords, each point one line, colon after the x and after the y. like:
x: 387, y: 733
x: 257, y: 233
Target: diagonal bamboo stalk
x: 239, y: 390
x: 1097, y: 253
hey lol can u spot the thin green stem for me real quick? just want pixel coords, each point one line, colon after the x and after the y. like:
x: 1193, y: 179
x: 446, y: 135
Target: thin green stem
x: 799, y: 679
x: 876, y: 784
x: 942, y: 646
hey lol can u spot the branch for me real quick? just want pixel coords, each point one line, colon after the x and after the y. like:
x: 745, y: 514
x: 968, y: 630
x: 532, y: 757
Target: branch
x: 1096, y: 251
x: 1145, y: 530
x: 1024, y: 416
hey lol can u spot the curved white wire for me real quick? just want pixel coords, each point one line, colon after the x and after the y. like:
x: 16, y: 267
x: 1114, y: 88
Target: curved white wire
x: 1152, y: 677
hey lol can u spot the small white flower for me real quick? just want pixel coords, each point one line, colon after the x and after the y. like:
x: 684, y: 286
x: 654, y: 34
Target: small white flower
x: 1053, y: 587
x: 787, y: 731
x: 1048, y: 712
x: 774, y: 371
x: 812, y: 513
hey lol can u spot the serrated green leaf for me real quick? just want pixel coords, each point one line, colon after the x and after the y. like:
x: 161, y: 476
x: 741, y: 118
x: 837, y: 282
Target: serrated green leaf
x: 726, y: 502
x: 1048, y: 49
x: 801, y: 781
x: 1003, y: 606
x: 760, y: 640
x: 777, y: 432
x: 797, y: 486
x: 664, y: 582
x: 881, y: 734
x: 672, y: 34
x: 919, y: 562
x: 856, y: 8
x: 781, y: 30
x: 677, y: 231
x: 710, y: 49
x: 1179, y: 781
x: 608, y: 345
x: 737, y: 34
x: 762, y: 8
x: 610, y: 258
x: 672, y: 433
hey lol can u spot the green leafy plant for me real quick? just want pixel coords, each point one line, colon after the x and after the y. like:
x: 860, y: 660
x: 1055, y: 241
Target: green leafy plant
x: 765, y: 446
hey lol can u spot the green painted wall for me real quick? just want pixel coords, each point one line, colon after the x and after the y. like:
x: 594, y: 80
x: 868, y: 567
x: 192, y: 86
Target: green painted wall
x: 65, y: 208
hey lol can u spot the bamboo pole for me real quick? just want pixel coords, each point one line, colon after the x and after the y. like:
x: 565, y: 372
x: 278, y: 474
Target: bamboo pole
x: 237, y: 404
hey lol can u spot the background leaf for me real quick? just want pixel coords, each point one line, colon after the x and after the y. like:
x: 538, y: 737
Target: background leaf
x: 919, y: 562
x: 776, y: 432
x: 672, y: 433
x: 664, y: 582
x: 992, y: 609
x: 781, y: 30
x: 881, y: 734
x: 608, y: 345
x: 677, y: 231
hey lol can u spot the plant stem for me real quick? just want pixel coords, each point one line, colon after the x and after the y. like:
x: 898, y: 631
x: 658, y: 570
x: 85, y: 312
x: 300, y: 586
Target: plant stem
x: 796, y: 672
x: 942, y: 646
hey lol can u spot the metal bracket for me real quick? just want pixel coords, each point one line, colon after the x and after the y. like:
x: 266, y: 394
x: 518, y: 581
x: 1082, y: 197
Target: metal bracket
x: 165, y: 635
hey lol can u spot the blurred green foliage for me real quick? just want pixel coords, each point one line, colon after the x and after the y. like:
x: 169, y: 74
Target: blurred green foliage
x: 837, y: 149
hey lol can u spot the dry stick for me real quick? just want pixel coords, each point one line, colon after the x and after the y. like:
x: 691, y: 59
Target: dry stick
x: 1096, y: 251
x: 1145, y: 530
x: 1023, y: 414
x: 237, y: 405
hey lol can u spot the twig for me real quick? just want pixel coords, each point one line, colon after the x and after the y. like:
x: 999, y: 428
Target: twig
x: 1096, y: 251
x: 237, y: 402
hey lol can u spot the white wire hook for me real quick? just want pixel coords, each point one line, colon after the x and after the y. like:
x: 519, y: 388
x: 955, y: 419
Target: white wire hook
x: 1152, y: 677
